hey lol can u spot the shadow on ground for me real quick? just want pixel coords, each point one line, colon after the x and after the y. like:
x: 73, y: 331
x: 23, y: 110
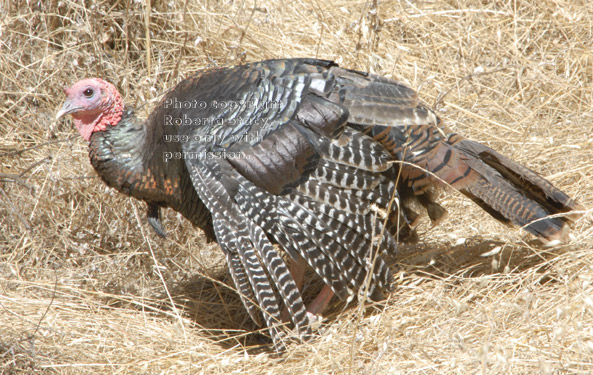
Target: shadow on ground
x: 216, y: 309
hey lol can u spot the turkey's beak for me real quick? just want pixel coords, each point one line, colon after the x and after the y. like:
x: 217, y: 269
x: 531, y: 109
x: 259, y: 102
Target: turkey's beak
x: 67, y: 108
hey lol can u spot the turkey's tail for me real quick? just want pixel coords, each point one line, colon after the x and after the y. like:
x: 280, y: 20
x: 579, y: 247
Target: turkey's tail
x: 431, y: 156
x: 510, y: 192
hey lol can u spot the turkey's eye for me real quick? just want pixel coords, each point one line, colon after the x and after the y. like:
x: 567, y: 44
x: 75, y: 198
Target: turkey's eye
x: 88, y: 93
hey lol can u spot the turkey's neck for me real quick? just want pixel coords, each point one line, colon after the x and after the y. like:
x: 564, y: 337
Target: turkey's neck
x: 127, y: 160
x: 132, y: 158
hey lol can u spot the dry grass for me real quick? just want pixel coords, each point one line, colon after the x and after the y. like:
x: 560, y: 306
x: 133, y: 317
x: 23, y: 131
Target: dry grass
x: 82, y: 279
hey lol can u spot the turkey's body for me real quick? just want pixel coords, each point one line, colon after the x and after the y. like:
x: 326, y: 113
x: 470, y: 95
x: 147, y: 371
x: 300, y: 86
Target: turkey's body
x: 305, y: 155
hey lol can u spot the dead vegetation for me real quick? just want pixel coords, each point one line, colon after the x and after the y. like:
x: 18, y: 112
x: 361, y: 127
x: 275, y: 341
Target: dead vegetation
x: 85, y: 287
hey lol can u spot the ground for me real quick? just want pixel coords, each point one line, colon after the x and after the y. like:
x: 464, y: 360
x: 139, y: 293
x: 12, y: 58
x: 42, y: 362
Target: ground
x: 86, y: 287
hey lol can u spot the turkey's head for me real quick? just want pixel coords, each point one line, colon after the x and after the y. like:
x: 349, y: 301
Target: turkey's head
x: 94, y: 104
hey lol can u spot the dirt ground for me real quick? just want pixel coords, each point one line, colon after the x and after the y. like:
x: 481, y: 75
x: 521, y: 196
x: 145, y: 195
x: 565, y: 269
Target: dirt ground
x: 86, y: 286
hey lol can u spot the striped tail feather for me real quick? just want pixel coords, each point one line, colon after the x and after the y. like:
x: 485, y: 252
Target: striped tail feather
x: 357, y: 150
x: 259, y: 262
x: 533, y: 184
x: 242, y: 283
x: 282, y: 278
x: 517, y: 193
x: 276, y: 217
x: 510, y: 192
x: 332, y: 245
x: 364, y: 225
x: 352, y: 245
x: 433, y: 157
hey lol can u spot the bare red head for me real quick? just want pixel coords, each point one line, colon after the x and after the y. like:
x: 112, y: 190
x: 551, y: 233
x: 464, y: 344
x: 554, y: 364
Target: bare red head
x: 94, y: 104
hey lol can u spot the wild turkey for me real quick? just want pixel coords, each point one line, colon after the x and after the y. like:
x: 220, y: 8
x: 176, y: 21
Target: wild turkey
x: 302, y: 154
